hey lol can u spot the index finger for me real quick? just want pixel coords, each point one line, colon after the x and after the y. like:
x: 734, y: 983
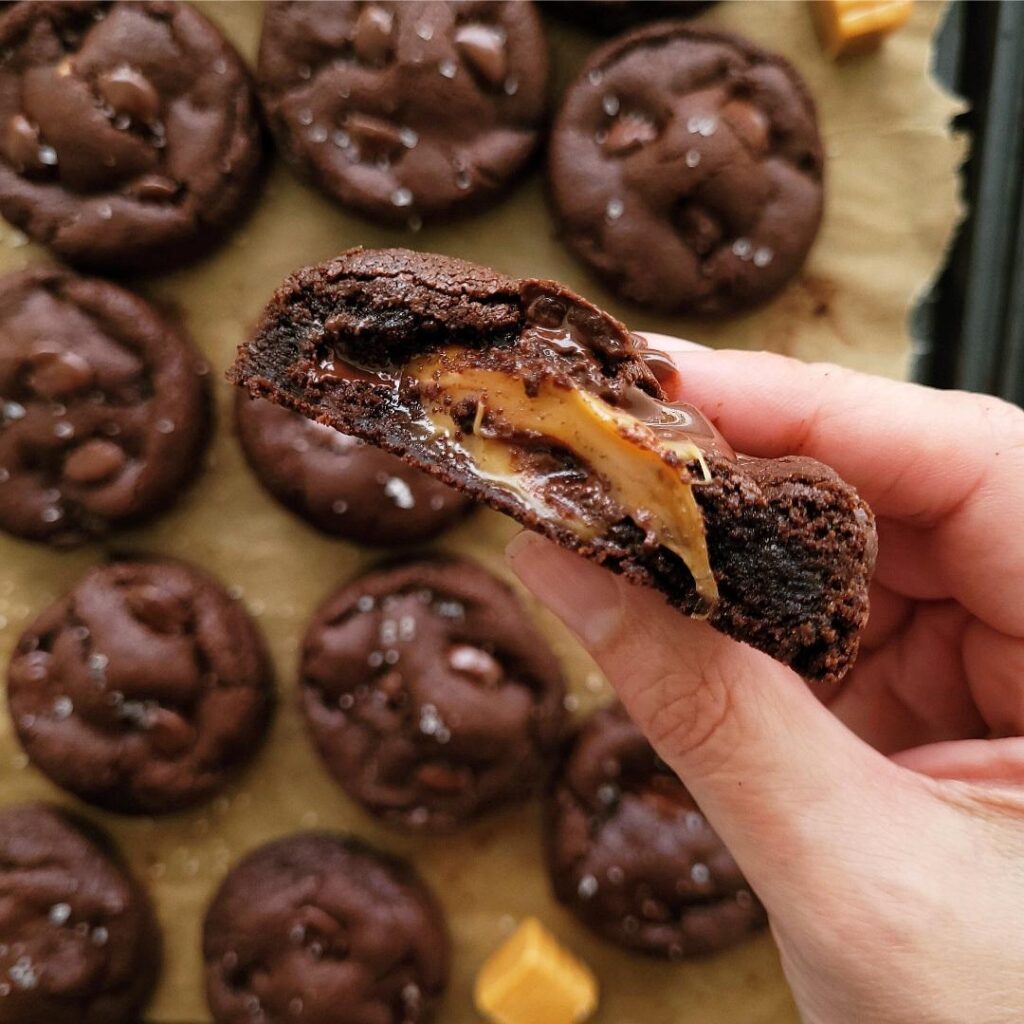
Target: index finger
x: 913, y: 452
x: 949, y: 461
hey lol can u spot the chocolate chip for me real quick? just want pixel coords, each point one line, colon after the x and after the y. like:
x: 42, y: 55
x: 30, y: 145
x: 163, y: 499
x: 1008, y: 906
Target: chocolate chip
x: 749, y: 123
x: 546, y: 311
x: 440, y: 777
x: 169, y: 734
x: 313, y: 919
x: 21, y: 144
x: 374, y: 136
x: 129, y: 92
x: 629, y: 132
x: 157, y: 187
x: 157, y: 608
x: 372, y: 39
x: 472, y: 661
x: 700, y: 229
x: 592, y: 330
x: 94, y: 462
x: 59, y: 374
x: 483, y: 48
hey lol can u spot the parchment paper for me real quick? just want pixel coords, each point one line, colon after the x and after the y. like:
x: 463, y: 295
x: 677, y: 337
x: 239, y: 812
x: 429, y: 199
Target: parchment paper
x: 891, y: 207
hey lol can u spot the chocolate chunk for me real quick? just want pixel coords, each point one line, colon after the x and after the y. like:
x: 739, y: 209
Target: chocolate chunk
x: 405, y: 111
x: 374, y: 136
x: 103, y: 105
x: 483, y: 47
x: 58, y: 374
x: 21, y: 144
x: 103, y: 408
x: 94, y: 462
x: 351, y: 936
x: 629, y: 132
x: 374, y: 33
x: 631, y: 855
x: 157, y: 187
x: 789, y: 547
x: 129, y: 92
x: 341, y: 485
x: 143, y: 690
x: 78, y: 940
x: 674, y: 127
x: 429, y: 695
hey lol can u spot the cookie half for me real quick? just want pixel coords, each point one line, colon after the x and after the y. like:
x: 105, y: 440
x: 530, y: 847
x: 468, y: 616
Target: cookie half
x: 531, y: 399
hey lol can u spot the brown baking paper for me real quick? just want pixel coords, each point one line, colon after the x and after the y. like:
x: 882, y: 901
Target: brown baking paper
x: 891, y: 207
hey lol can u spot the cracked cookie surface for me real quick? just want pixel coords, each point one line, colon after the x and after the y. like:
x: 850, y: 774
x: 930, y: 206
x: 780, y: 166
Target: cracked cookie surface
x: 128, y: 131
x: 142, y: 690
x: 78, y: 940
x: 103, y: 408
x: 322, y: 929
x: 631, y: 854
x: 429, y: 694
x: 405, y: 111
x: 686, y: 169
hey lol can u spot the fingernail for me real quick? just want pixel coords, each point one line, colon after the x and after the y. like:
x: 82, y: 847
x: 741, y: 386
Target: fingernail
x: 584, y: 596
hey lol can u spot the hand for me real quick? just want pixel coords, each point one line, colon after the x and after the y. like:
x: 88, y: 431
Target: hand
x: 894, y: 884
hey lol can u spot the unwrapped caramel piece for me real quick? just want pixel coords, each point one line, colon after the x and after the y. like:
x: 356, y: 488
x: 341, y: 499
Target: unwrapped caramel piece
x: 856, y: 26
x: 532, y: 979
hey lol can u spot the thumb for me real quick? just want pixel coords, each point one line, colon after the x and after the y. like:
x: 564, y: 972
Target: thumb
x: 786, y: 785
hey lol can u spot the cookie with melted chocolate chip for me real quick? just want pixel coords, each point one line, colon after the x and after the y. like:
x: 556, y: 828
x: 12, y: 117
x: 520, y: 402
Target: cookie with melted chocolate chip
x: 342, y: 485
x: 103, y: 408
x: 686, y: 169
x: 143, y: 690
x: 128, y: 131
x: 318, y: 927
x: 405, y: 111
x: 430, y: 696
x: 532, y: 400
x: 631, y: 855
x: 78, y: 940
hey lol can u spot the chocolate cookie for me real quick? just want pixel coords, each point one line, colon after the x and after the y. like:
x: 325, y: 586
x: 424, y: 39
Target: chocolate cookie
x: 103, y: 409
x: 318, y: 928
x: 631, y: 855
x: 128, y: 131
x: 340, y: 484
x: 430, y: 696
x: 142, y: 690
x: 530, y: 399
x: 685, y: 169
x: 404, y: 111
x: 78, y: 940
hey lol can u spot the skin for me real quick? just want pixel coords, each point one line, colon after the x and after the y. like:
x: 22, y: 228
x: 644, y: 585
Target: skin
x: 881, y: 822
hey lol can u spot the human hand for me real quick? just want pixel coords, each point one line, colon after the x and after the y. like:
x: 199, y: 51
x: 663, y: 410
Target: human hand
x: 894, y: 884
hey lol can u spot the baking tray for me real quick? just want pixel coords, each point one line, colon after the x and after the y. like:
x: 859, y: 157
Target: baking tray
x: 885, y: 125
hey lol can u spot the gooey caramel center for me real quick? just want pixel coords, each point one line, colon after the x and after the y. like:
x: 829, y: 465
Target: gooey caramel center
x: 644, y: 473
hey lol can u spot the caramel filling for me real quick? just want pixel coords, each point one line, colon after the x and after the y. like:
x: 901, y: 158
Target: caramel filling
x: 643, y: 472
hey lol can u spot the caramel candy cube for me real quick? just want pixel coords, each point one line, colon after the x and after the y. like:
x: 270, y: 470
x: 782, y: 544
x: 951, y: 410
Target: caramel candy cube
x: 856, y: 26
x: 532, y: 979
